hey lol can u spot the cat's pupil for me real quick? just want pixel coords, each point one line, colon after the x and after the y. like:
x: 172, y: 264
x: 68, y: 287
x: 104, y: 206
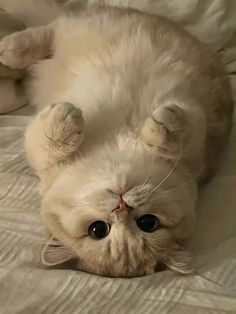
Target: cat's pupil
x: 148, y: 223
x: 99, y: 229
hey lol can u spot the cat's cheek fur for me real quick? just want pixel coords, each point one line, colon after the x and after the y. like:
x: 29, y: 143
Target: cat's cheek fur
x: 180, y: 261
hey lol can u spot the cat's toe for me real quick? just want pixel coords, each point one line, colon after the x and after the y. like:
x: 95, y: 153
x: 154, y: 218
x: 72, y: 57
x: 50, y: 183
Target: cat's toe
x: 153, y: 134
x: 63, y: 123
x: 170, y: 116
x: 12, y: 52
x: 62, y: 112
x: 163, y: 128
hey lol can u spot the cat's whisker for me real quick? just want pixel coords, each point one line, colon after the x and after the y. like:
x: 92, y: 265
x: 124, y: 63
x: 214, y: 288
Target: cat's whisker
x: 36, y: 243
x: 178, y: 186
x: 79, y: 205
x: 183, y: 184
x: 170, y: 173
x: 145, y: 181
x: 68, y: 70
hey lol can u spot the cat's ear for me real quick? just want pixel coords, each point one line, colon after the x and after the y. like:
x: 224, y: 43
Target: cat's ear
x: 56, y: 253
x: 180, y: 261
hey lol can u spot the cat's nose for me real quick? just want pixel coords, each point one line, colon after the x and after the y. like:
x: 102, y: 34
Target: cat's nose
x: 123, y: 206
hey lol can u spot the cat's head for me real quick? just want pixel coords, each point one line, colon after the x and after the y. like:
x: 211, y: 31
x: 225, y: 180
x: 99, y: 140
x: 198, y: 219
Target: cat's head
x: 120, y: 213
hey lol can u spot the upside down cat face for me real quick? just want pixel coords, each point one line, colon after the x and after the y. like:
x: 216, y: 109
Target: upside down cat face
x: 119, y: 217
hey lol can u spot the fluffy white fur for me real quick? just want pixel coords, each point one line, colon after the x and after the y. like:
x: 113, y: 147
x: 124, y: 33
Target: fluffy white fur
x: 132, y: 106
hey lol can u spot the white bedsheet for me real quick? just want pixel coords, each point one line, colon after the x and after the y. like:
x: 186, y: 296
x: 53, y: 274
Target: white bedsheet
x: 27, y: 288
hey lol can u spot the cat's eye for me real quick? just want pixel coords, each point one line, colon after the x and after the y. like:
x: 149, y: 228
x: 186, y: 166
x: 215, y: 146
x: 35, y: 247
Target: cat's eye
x: 148, y: 223
x: 99, y: 229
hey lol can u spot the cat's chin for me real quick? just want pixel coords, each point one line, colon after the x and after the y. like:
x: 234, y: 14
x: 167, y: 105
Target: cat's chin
x: 180, y: 263
x: 160, y: 267
x: 75, y: 264
x: 114, y: 274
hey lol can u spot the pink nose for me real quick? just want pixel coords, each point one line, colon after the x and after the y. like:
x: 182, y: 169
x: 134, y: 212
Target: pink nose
x: 122, y: 206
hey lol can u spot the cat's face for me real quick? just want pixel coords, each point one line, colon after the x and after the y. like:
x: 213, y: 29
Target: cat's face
x: 118, y: 215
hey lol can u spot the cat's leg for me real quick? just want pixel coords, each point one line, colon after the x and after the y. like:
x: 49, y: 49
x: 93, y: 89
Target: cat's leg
x: 53, y: 138
x: 21, y: 49
x: 166, y: 128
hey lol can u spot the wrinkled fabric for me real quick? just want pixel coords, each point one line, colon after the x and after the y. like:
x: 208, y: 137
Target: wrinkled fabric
x: 212, y: 21
x: 27, y: 288
x: 8, y: 77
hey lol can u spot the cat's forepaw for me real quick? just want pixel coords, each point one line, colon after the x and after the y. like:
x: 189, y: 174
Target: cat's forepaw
x: 63, y: 126
x: 14, y: 51
x: 164, y: 129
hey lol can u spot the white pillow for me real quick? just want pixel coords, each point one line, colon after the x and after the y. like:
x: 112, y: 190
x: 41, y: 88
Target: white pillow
x: 212, y: 21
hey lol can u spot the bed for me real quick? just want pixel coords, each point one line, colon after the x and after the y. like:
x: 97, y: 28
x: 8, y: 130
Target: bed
x: 28, y: 288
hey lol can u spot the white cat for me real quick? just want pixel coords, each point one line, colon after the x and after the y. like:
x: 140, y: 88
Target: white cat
x: 135, y: 112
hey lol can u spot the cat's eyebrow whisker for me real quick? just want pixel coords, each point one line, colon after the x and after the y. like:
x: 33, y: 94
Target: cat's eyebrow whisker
x: 68, y: 70
x: 183, y: 184
x: 34, y: 243
x: 145, y: 181
x: 178, y: 186
x: 81, y: 205
x: 170, y: 173
x: 72, y: 205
